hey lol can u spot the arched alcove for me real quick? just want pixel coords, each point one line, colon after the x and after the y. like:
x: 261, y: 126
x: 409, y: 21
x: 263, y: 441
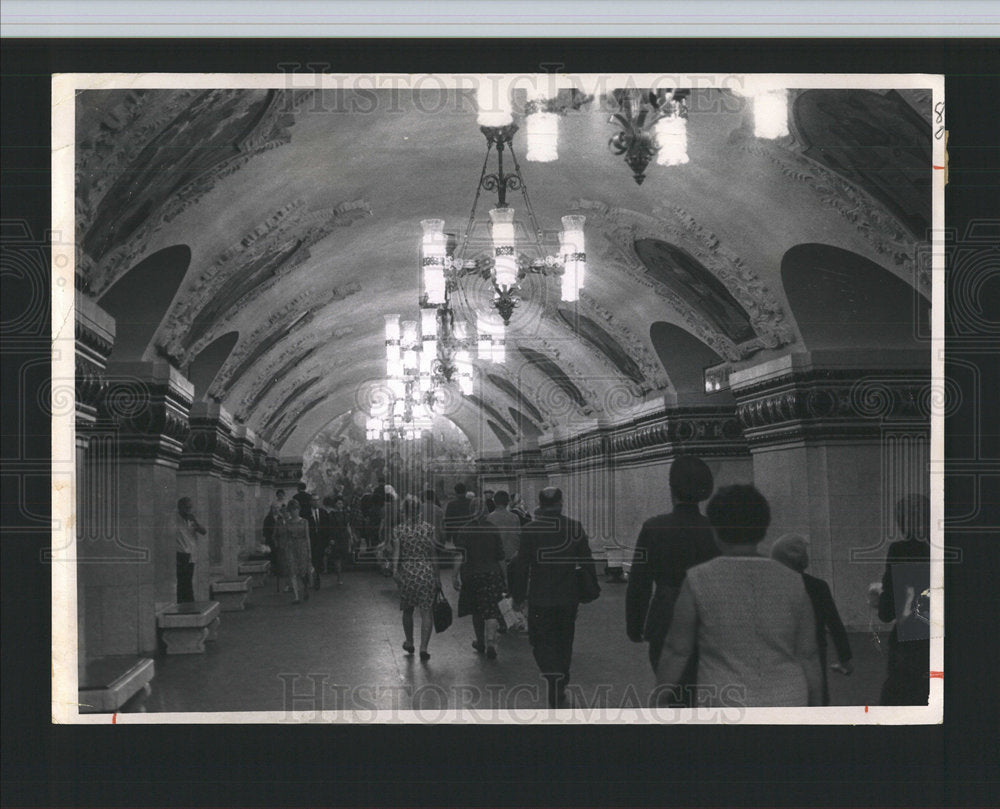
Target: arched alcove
x: 841, y: 300
x: 491, y: 412
x: 139, y: 300
x: 502, y: 436
x: 526, y: 428
x: 684, y: 357
x: 209, y: 361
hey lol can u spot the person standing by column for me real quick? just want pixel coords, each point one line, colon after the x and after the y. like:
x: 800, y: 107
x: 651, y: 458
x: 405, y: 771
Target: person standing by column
x: 552, y: 546
x: 188, y: 529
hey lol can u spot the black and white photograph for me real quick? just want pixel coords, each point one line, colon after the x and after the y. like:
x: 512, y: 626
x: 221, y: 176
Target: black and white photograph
x: 501, y: 398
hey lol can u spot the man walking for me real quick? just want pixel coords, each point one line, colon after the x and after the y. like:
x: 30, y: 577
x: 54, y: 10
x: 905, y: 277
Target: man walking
x: 552, y: 547
x: 318, y: 522
x: 188, y: 529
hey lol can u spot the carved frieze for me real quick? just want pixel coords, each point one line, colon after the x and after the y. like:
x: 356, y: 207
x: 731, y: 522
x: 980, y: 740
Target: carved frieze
x: 150, y: 416
x: 832, y: 405
x: 708, y: 431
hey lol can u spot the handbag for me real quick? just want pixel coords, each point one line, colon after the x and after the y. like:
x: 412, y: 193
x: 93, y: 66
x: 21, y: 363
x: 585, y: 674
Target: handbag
x: 587, y: 587
x: 442, y: 611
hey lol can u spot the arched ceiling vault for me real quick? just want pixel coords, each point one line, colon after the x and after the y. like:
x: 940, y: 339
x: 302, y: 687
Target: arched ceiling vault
x: 301, y: 211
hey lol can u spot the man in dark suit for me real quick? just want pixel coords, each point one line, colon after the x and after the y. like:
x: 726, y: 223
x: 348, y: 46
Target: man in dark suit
x: 552, y: 546
x: 319, y: 528
x: 456, y: 512
x: 792, y: 551
x: 304, y: 499
x: 668, y: 545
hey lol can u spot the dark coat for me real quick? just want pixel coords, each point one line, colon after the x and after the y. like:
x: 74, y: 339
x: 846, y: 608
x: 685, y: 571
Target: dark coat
x: 544, y: 570
x: 667, y: 547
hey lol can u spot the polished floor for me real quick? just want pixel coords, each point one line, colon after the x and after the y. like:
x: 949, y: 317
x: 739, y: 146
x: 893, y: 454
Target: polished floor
x: 343, y: 649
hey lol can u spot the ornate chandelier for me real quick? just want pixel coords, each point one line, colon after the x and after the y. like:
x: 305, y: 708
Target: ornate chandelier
x: 506, y: 267
x: 653, y: 124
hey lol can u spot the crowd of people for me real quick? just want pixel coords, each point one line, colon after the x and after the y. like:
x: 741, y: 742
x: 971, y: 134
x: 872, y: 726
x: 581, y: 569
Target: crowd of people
x: 724, y: 623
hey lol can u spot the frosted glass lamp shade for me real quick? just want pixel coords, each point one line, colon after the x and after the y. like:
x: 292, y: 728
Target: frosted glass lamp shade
x: 504, y: 255
x: 671, y: 137
x: 493, y: 102
x: 770, y: 114
x: 543, y: 137
x: 572, y: 247
x: 434, y: 251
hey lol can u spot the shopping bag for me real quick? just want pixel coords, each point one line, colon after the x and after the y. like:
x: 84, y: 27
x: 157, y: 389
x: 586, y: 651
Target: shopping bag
x: 442, y: 612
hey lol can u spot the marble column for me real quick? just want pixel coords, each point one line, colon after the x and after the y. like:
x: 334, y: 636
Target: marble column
x: 207, y: 477
x: 836, y: 439
x: 127, y: 566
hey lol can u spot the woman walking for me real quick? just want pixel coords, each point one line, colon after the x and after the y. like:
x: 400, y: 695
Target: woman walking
x: 415, y: 571
x: 293, y: 538
x: 748, y: 616
x: 480, y: 577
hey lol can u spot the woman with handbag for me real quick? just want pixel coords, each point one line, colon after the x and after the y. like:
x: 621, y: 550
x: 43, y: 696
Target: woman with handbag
x: 416, y: 574
x: 292, y: 533
x: 480, y: 577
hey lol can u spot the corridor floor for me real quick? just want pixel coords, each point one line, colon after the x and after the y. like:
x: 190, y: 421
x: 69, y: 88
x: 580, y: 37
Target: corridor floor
x: 342, y: 649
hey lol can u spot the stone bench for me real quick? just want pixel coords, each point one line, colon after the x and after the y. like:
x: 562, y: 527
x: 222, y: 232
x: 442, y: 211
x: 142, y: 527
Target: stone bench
x: 185, y: 627
x: 231, y: 593
x: 115, y: 683
x: 258, y: 570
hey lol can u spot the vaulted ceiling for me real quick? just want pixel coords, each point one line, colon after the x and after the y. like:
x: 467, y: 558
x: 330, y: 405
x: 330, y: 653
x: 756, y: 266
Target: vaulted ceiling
x: 257, y: 237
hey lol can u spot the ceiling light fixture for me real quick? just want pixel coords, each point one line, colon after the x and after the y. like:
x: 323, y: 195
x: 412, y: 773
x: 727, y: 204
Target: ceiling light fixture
x: 653, y: 124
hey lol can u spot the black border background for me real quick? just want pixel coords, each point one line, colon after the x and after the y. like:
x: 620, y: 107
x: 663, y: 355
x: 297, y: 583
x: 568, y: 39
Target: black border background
x: 239, y: 765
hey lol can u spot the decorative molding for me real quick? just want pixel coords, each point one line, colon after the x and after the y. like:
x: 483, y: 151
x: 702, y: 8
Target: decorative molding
x: 708, y: 431
x: 126, y: 140
x: 827, y: 405
x: 622, y: 227
x: 275, y: 248
x: 150, y: 416
x: 889, y: 237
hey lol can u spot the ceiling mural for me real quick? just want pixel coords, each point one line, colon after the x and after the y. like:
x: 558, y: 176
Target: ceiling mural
x: 145, y: 156
x: 274, y: 200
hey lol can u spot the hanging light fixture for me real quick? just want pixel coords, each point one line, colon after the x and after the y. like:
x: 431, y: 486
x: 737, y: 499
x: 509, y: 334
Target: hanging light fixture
x: 653, y: 123
x: 506, y: 267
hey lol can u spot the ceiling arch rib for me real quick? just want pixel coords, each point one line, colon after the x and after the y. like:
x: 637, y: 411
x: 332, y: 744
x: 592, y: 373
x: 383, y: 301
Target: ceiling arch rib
x: 251, y: 269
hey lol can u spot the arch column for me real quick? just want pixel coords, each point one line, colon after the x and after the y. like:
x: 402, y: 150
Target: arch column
x: 836, y: 438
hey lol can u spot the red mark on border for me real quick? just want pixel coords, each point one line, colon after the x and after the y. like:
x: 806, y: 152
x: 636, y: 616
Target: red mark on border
x: 866, y: 709
x: 939, y: 168
x: 939, y: 675
x: 114, y: 719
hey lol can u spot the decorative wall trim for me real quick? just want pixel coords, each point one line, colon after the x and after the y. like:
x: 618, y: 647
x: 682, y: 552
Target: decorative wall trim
x: 832, y: 405
x: 707, y: 431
